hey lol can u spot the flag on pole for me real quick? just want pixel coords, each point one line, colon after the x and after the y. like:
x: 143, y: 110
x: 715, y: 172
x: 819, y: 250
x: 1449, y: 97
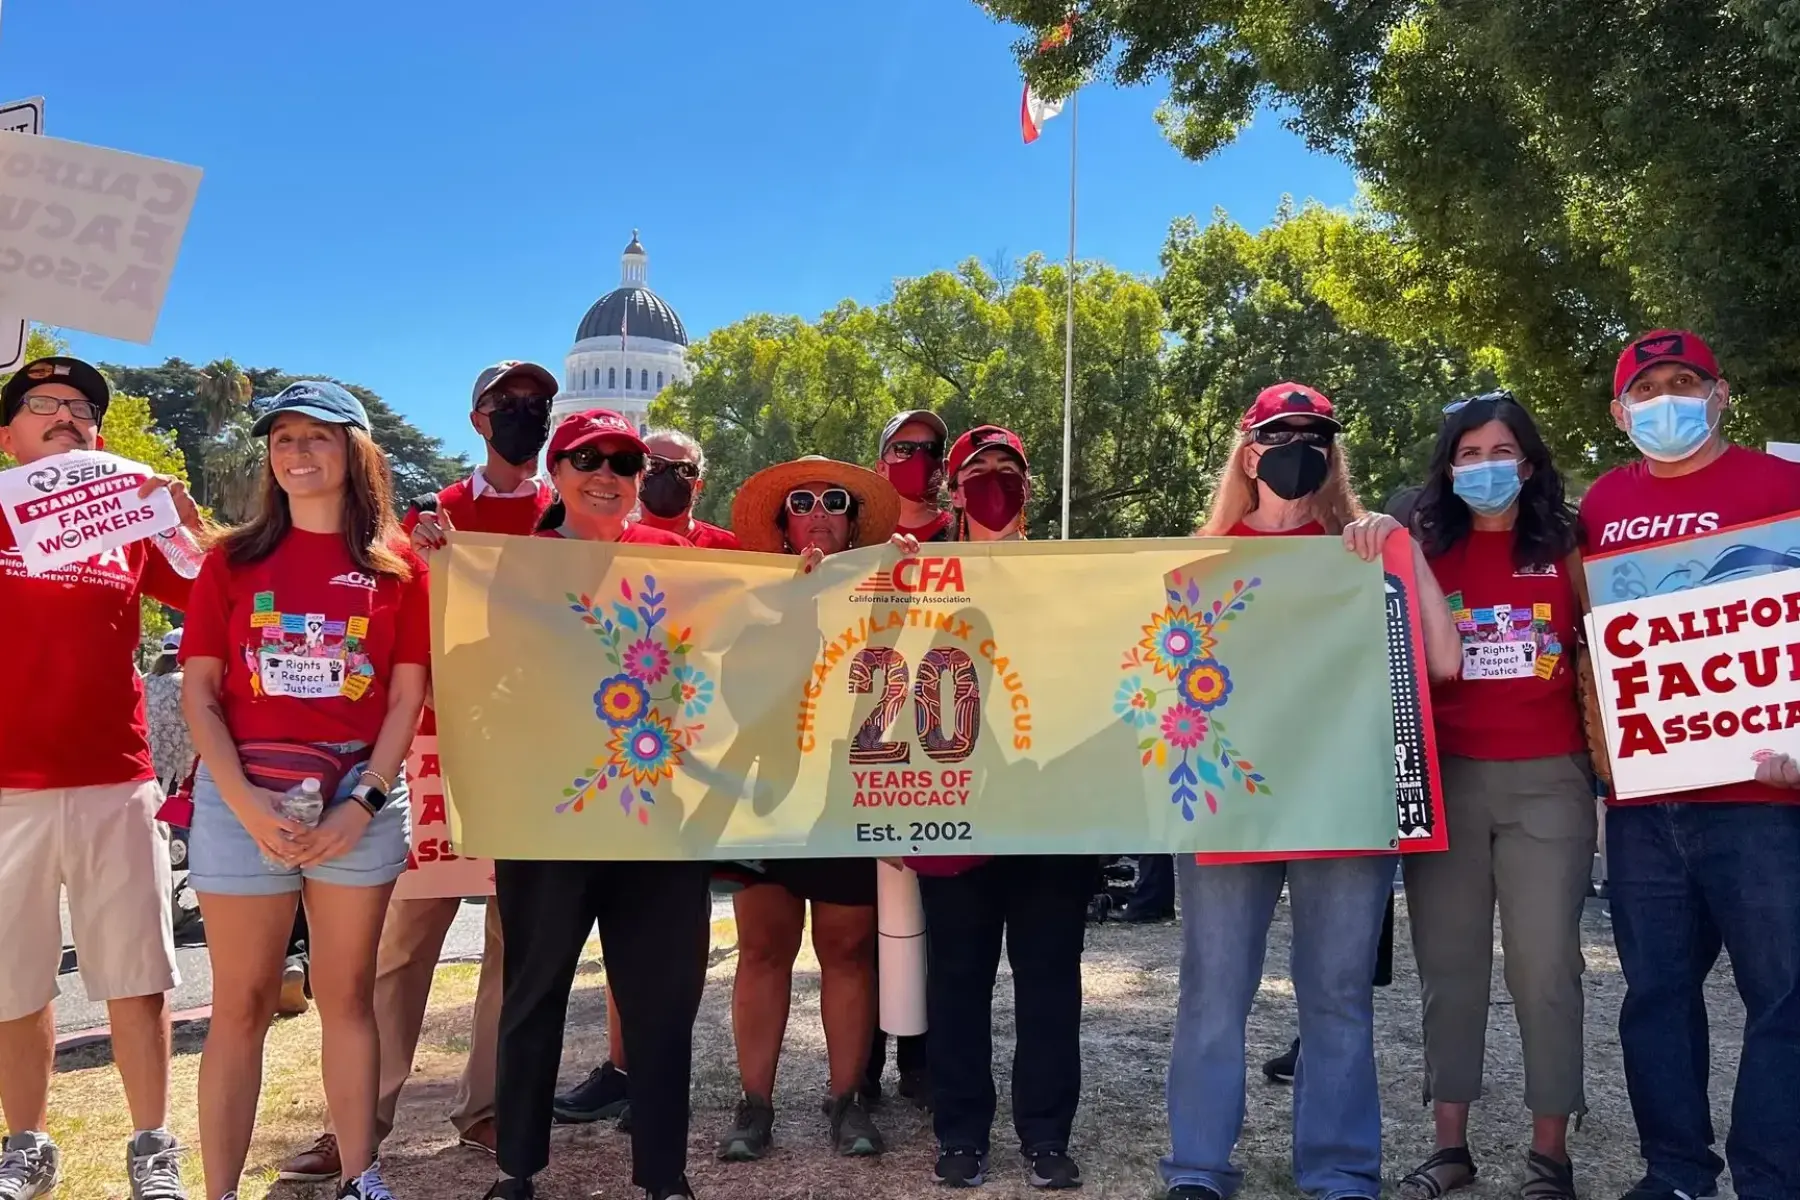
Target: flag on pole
x: 1034, y: 109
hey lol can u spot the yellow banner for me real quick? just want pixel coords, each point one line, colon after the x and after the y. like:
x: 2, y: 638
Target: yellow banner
x: 603, y: 701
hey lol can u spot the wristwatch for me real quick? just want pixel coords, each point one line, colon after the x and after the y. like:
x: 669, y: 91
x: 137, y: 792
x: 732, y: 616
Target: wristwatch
x: 373, y: 799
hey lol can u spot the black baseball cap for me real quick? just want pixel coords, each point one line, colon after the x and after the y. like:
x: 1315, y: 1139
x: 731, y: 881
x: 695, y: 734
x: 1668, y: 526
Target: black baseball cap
x: 84, y: 377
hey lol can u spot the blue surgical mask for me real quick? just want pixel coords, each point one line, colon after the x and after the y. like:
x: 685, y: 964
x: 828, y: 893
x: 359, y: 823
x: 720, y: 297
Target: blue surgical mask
x: 1488, y: 487
x: 1670, y: 428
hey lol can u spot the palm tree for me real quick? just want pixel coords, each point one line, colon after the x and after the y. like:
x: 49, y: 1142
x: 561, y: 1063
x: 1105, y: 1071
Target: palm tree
x: 223, y: 391
x: 233, y: 468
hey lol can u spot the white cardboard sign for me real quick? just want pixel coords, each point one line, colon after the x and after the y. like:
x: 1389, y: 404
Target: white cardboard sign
x: 1697, y: 687
x: 89, y: 236
x: 434, y: 869
x: 21, y: 116
x: 72, y: 506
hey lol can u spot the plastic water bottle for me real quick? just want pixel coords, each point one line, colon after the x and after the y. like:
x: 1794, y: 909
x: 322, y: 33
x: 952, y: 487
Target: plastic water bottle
x: 182, y: 551
x: 303, y: 804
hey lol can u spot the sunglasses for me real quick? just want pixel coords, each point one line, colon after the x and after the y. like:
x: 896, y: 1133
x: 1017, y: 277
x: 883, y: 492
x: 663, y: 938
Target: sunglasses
x: 835, y: 501
x: 1287, y: 435
x: 685, y: 470
x: 588, y: 459
x: 1499, y: 396
x: 81, y: 410
x: 901, y: 451
x: 506, y: 402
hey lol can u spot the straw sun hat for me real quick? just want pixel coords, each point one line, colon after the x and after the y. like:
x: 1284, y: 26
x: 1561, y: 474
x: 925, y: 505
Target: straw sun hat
x: 762, y: 497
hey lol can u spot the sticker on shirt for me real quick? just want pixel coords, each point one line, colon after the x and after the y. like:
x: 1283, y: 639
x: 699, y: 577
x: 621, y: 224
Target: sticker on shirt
x: 1499, y: 660
x: 1508, y: 642
x: 300, y: 677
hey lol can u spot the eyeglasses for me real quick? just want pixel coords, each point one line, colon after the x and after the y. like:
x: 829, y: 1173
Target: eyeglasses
x: 1287, y: 435
x: 495, y: 402
x: 685, y: 470
x: 901, y: 451
x: 1499, y: 396
x: 835, y: 501
x: 46, y: 406
x: 588, y: 459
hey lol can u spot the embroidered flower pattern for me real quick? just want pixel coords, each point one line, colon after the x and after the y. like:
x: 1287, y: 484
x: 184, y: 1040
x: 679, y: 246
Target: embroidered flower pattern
x: 647, y: 660
x: 1184, y: 727
x: 621, y: 700
x: 1135, y: 704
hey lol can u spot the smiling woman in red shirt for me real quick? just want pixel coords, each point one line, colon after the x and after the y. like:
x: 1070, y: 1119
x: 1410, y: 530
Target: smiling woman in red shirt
x: 1518, y: 795
x: 307, y: 649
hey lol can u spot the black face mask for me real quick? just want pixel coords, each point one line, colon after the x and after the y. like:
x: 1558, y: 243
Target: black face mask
x: 1293, y: 471
x: 518, y: 436
x: 666, y: 494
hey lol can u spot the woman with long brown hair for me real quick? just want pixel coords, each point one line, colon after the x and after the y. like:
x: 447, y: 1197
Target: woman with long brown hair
x: 1287, y: 477
x: 307, y: 652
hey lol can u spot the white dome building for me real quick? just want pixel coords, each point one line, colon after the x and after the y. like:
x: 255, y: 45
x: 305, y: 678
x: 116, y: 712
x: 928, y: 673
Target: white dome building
x: 630, y: 346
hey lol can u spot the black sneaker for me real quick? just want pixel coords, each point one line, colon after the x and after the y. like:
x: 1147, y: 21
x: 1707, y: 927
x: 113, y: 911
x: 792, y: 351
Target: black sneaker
x: 752, y: 1131
x: 681, y: 1191
x: 915, y: 1085
x: 1052, y: 1169
x: 604, y: 1094
x: 1191, y: 1191
x: 853, y: 1132
x: 961, y: 1168
x: 1281, y: 1070
x: 511, y: 1189
x: 367, y: 1186
x: 1651, y: 1189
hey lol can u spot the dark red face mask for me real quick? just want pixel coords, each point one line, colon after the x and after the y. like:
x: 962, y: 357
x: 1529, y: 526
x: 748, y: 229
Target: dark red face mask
x: 995, y: 499
x: 917, y: 477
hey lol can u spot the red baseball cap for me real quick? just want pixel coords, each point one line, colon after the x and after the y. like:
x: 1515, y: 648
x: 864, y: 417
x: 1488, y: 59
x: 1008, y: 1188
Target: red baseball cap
x: 1286, y: 400
x: 1663, y: 346
x: 595, y: 425
x: 984, y: 437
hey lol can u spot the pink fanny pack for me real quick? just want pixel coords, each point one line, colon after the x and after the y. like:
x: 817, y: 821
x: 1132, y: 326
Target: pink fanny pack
x: 940, y: 865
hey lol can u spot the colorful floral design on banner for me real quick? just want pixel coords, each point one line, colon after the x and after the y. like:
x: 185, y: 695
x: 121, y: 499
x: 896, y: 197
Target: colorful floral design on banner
x: 651, y: 702
x: 1180, y: 718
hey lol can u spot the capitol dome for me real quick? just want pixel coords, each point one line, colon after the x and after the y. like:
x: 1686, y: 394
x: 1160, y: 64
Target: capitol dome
x: 628, y: 348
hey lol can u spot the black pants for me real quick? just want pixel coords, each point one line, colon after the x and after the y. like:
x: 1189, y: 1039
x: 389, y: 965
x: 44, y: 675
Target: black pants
x: 655, y: 926
x: 1154, y: 895
x: 909, y: 1054
x: 1040, y: 903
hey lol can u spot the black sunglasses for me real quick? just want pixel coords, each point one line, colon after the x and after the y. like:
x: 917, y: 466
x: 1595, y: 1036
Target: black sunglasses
x: 494, y: 402
x: 901, y: 451
x: 1287, y: 435
x: 835, y: 501
x: 1498, y: 396
x: 686, y: 470
x: 588, y: 459
x: 46, y: 406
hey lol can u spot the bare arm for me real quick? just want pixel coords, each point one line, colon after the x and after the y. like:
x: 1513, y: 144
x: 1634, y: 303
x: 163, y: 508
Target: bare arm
x: 1443, y: 645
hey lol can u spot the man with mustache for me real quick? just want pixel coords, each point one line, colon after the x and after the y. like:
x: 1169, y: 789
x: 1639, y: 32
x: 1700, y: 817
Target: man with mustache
x: 510, y: 409
x: 78, y: 804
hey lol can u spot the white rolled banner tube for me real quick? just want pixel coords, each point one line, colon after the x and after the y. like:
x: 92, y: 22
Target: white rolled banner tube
x: 900, y: 919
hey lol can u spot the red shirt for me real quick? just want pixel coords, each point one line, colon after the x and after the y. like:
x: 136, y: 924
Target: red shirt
x: 1516, y: 698
x: 641, y: 535
x: 698, y: 533
x: 1310, y: 529
x: 1629, y: 507
x: 935, y: 530
x: 490, y: 512
x: 308, y: 640
x: 72, y: 708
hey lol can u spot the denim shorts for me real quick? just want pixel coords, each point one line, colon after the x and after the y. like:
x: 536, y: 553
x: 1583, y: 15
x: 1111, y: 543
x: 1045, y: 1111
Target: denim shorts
x: 226, y: 860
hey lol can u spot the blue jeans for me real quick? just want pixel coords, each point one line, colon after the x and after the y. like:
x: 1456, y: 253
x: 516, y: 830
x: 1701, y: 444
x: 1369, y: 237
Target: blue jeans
x: 1686, y: 879
x: 1337, y: 906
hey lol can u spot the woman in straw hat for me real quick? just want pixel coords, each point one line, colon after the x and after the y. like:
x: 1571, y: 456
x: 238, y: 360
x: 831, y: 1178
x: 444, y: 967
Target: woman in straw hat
x: 811, y: 507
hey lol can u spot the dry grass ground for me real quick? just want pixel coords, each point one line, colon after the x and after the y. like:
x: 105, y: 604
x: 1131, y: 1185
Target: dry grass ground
x: 1131, y: 992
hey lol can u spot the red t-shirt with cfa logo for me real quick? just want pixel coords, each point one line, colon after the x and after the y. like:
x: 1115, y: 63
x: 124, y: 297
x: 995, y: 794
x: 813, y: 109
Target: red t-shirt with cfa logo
x: 72, y: 707
x: 1629, y: 507
x: 308, y: 639
x: 696, y: 532
x: 1516, y: 696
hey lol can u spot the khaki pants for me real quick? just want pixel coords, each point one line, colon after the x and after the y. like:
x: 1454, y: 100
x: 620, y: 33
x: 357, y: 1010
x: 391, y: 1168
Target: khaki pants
x: 1522, y: 834
x: 411, y: 941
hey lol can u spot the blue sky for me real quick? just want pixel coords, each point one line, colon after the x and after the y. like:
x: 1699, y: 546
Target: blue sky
x: 398, y: 193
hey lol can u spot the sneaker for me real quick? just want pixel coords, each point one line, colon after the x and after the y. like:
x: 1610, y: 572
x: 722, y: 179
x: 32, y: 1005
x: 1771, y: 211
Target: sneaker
x: 1052, y: 1169
x: 292, y: 1002
x: 367, y: 1186
x: 853, y: 1132
x: 752, y: 1131
x: 481, y: 1136
x: 1191, y: 1191
x: 153, y: 1164
x: 604, y: 1094
x: 961, y: 1168
x: 511, y: 1189
x: 1281, y: 1070
x: 318, y: 1164
x: 30, y: 1166
x: 681, y: 1191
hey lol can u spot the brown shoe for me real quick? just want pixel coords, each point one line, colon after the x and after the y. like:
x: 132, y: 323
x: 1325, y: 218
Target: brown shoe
x: 318, y: 1165
x: 293, y: 989
x: 481, y: 1136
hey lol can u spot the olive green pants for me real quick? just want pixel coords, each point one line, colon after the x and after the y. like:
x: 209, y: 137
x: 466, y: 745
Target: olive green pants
x: 1521, y: 835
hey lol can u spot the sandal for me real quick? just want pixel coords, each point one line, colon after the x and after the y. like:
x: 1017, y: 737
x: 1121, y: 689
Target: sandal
x: 1440, y: 1175
x: 1547, y: 1179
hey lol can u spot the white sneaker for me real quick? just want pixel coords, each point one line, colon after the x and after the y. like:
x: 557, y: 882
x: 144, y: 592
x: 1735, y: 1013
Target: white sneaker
x: 367, y: 1186
x: 153, y: 1161
x: 30, y: 1166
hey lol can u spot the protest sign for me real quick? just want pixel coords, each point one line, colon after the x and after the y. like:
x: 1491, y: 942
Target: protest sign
x: 20, y: 116
x: 80, y: 503
x: 1700, y: 560
x: 609, y: 701
x: 1697, y: 686
x: 89, y: 236
x: 434, y: 869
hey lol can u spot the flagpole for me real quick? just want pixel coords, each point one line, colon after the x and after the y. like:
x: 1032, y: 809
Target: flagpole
x: 1069, y: 321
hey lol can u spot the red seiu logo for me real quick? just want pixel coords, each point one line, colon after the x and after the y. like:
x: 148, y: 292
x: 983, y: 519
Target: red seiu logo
x: 913, y: 576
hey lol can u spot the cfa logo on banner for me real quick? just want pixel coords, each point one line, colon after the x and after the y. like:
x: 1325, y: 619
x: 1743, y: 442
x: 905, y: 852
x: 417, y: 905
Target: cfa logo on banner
x: 916, y: 581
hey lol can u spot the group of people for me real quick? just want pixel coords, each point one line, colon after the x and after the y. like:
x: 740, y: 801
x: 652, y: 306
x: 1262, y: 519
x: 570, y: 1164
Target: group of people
x: 305, y: 654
